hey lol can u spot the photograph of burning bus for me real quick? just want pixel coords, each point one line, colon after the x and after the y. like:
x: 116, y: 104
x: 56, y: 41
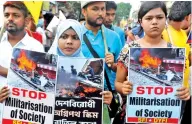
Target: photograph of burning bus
x: 33, y: 70
x: 157, y: 66
x: 79, y: 77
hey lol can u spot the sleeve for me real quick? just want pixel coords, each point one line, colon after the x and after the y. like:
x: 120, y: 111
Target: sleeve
x: 124, y: 56
x: 135, y: 30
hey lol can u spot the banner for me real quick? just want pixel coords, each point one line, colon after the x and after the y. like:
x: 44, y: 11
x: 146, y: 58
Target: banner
x: 31, y: 79
x: 34, y: 12
x: 78, y: 99
x: 53, y: 24
x: 156, y: 74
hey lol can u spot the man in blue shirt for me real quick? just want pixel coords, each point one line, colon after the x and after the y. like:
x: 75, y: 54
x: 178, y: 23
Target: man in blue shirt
x: 111, y: 8
x: 94, y: 13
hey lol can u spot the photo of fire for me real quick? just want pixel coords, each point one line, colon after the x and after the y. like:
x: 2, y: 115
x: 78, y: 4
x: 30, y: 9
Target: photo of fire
x: 33, y: 70
x: 79, y: 78
x: 154, y: 66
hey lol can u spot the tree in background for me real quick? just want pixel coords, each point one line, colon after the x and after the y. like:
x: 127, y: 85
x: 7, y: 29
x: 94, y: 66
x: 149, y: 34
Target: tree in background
x: 71, y: 9
x: 123, y: 11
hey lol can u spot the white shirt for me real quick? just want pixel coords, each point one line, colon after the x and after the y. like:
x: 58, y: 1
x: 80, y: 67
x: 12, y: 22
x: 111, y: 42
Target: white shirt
x: 42, y: 32
x: 6, y: 49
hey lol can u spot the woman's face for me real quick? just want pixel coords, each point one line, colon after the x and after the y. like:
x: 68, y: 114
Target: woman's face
x: 153, y: 22
x: 69, y: 42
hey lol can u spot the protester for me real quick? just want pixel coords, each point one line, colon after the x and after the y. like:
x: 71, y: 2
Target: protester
x: 92, y: 30
x: 178, y: 28
x: 174, y: 34
x: 111, y: 8
x: 152, y: 17
x: 68, y: 42
x: 94, y: 13
x: 31, y: 29
x: 68, y: 39
x: 41, y: 28
x: 15, y: 20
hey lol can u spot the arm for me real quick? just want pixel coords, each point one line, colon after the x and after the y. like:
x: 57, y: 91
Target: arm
x: 3, y: 71
x: 114, y: 67
x: 121, y: 84
x: 120, y: 78
x: 131, y: 36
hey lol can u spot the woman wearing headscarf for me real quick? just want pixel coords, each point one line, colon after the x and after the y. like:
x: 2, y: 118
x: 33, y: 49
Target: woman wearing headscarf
x: 68, y: 39
x: 67, y: 43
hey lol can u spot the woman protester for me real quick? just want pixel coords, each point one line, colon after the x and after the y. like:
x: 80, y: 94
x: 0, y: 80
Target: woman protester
x: 152, y: 17
x: 67, y: 43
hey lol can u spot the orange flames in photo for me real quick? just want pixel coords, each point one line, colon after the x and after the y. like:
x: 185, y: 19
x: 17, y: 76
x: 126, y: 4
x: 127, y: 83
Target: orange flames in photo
x: 147, y: 60
x: 87, y: 89
x: 24, y: 62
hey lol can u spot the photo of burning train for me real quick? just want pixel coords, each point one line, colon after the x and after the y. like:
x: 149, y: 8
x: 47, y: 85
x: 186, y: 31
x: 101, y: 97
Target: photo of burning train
x: 79, y: 77
x: 157, y: 66
x: 33, y: 70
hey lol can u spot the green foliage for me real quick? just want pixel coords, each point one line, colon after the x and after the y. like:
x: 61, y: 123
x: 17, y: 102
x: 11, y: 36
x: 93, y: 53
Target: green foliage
x: 123, y: 11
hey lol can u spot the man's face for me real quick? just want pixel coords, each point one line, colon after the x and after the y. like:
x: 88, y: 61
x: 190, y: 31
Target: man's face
x: 14, y: 20
x: 110, y: 17
x: 185, y: 24
x: 95, y: 13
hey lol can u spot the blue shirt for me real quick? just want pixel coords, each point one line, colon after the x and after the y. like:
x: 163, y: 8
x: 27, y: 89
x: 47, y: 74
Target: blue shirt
x: 136, y: 31
x: 120, y: 32
x: 114, y: 47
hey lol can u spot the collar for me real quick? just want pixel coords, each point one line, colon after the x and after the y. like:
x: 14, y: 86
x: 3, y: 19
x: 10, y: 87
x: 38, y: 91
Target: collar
x: 112, y: 27
x: 85, y: 30
x: 24, y: 40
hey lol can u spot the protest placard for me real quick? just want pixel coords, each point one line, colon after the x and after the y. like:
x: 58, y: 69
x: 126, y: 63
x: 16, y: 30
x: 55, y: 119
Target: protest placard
x: 156, y: 74
x: 78, y: 99
x: 31, y: 79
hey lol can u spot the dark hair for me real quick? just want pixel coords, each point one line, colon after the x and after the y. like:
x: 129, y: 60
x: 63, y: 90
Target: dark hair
x: 111, y: 5
x: 179, y: 10
x: 149, y: 5
x: 17, y: 4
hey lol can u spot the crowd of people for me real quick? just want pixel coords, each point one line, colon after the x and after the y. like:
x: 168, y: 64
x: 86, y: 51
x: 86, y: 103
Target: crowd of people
x: 90, y: 39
